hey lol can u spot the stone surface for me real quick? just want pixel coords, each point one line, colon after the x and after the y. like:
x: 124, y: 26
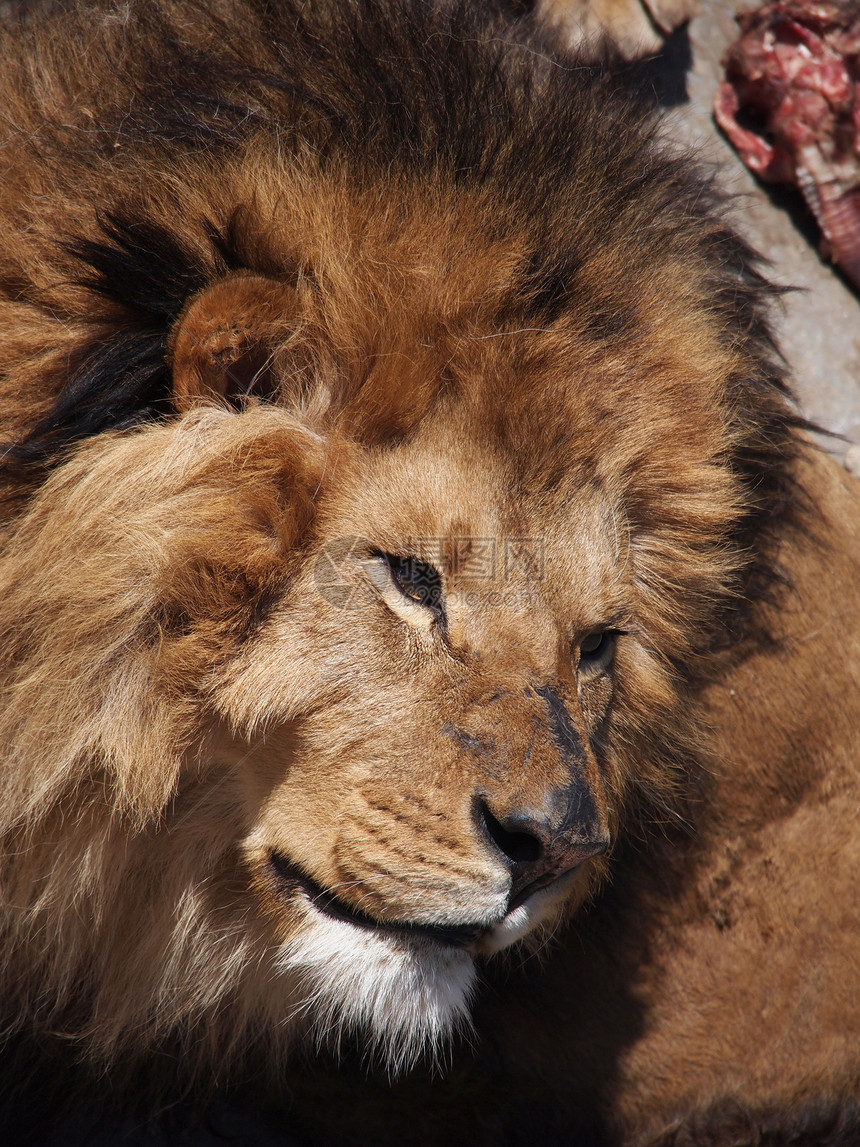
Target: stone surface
x: 819, y: 324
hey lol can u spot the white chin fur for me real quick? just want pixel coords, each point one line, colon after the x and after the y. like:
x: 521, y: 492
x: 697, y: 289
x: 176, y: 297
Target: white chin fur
x: 407, y: 996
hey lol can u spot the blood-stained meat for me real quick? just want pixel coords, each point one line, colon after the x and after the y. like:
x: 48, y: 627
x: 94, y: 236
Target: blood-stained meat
x: 790, y: 104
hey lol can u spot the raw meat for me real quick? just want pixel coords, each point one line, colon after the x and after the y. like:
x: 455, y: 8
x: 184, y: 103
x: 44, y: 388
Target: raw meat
x: 790, y: 105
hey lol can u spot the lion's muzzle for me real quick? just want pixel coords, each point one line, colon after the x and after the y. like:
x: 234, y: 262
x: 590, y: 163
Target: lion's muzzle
x: 538, y: 804
x: 291, y: 877
x: 540, y: 845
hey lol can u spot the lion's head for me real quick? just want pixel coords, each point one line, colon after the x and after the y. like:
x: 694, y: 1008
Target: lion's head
x: 353, y: 668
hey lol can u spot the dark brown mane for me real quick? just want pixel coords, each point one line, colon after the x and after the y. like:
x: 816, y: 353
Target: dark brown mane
x: 445, y: 103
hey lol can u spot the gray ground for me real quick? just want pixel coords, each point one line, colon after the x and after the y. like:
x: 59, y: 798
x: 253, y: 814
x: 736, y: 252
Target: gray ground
x: 819, y: 328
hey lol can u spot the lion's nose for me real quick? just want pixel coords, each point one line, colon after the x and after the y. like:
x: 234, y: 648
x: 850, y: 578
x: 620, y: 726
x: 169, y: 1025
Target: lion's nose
x: 538, y: 846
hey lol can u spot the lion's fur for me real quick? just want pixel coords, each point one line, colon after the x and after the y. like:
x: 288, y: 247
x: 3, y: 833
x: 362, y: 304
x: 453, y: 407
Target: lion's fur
x: 472, y: 298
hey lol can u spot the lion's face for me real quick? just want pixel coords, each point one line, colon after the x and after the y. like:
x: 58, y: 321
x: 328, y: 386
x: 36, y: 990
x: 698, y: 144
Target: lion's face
x: 450, y: 648
x: 365, y: 711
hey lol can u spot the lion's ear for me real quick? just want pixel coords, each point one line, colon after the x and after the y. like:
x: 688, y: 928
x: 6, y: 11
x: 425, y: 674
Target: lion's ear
x: 224, y: 344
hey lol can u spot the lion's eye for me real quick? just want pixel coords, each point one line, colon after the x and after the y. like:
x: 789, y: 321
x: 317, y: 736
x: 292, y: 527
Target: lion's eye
x: 418, y: 581
x: 597, y: 650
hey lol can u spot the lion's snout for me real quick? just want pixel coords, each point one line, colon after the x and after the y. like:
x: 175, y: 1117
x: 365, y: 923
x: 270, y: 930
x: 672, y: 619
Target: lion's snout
x: 538, y: 845
x: 538, y: 805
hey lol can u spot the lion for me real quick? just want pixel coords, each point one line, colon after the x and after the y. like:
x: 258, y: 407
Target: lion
x: 429, y: 632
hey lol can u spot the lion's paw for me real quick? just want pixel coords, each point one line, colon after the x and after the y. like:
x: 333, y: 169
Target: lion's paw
x: 636, y: 27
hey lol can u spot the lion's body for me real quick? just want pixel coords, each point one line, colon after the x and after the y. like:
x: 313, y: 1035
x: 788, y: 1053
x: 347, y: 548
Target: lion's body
x: 404, y: 508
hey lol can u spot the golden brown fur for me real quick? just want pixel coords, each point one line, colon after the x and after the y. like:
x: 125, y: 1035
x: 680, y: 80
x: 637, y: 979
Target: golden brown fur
x: 287, y: 330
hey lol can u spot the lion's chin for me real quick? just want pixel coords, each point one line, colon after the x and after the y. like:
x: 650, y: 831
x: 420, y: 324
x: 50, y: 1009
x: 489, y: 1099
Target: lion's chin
x: 406, y: 995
